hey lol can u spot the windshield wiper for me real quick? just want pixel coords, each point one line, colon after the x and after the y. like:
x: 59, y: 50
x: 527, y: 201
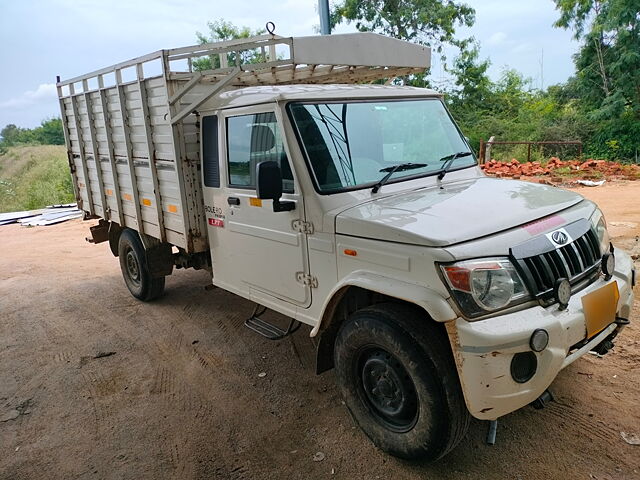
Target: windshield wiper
x: 449, y: 159
x: 401, y: 167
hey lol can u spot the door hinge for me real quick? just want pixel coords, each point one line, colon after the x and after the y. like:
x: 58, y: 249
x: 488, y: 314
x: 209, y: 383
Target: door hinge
x: 307, y: 280
x: 302, y: 227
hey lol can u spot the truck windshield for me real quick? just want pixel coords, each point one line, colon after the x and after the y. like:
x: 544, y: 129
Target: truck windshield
x: 348, y: 145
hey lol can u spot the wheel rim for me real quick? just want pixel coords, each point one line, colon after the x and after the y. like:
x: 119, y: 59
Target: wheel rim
x: 388, y: 390
x: 133, y: 267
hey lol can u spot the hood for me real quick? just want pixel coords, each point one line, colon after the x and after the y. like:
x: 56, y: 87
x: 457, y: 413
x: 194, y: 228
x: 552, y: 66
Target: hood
x: 456, y: 213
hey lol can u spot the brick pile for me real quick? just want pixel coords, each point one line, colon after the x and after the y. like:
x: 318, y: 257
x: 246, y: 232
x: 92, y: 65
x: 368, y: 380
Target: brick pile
x: 559, y: 171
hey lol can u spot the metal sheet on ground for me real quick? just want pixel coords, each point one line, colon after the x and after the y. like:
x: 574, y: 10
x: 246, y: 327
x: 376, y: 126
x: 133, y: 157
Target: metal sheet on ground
x: 11, y: 217
x: 51, y: 218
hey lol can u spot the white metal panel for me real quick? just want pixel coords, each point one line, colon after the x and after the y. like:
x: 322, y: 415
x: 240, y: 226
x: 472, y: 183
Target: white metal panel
x: 366, y: 48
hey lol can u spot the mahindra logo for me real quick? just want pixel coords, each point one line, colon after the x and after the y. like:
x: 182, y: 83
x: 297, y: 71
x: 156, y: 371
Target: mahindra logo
x: 559, y: 237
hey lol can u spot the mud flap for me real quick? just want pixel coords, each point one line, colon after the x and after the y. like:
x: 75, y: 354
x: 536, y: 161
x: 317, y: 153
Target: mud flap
x: 99, y: 233
x: 160, y: 260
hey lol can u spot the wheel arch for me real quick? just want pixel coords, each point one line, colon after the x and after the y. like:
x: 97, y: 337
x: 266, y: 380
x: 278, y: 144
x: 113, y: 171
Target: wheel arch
x: 363, y: 289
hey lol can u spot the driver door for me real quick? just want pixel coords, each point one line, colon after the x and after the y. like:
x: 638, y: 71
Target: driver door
x: 255, y: 251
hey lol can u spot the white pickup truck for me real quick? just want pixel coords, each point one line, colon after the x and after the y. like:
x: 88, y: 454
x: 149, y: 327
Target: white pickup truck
x: 355, y: 208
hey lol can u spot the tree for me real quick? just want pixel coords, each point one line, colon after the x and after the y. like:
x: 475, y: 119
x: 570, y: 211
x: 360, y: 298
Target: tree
x: 427, y: 22
x: 609, y: 60
x: 608, y: 70
x: 472, y: 80
x: 220, y: 31
x: 10, y: 134
x: 50, y: 132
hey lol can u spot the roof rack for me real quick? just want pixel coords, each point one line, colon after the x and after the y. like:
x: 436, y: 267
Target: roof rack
x: 345, y: 58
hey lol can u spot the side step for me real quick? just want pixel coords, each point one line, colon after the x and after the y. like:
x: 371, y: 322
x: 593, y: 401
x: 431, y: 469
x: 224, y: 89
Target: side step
x: 266, y: 329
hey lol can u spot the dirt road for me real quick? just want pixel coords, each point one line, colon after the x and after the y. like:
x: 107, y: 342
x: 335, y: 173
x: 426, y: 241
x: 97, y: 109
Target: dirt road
x: 94, y: 384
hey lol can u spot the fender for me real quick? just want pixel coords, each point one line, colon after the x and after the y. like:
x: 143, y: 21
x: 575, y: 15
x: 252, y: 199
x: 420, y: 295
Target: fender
x: 431, y: 301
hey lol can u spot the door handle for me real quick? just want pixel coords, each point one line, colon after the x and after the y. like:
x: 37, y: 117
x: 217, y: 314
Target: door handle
x: 233, y: 200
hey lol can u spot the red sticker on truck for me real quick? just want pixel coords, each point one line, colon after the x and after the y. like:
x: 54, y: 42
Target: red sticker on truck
x: 538, y: 226
x: 216, y: 222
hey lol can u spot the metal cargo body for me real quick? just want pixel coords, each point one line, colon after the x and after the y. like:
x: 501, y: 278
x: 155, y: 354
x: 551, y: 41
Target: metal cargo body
x: 129, y: 164
x: 133, y: 137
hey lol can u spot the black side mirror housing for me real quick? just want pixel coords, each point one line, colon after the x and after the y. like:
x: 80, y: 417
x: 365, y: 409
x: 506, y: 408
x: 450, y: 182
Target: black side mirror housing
x: 269, y: 185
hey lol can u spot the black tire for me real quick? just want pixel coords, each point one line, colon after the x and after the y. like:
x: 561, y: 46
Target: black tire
x: 135, y: 271
x: 398, y: 378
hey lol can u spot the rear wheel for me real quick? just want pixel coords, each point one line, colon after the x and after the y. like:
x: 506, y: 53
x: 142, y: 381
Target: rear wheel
x: 397, y: 375
x: 135, y: 270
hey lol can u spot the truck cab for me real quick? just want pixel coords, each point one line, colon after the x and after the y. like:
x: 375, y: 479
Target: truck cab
x: 435, y: 292
x: 479, y: 255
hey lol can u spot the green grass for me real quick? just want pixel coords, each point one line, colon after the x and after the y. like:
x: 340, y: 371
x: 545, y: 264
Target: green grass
x: 33, y: 177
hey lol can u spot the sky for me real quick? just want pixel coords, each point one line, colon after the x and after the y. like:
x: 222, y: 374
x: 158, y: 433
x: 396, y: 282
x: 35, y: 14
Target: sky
x: 40, y: 39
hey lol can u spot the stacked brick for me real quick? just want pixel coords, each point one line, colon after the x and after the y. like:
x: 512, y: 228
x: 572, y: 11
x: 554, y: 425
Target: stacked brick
x: 558, y: 171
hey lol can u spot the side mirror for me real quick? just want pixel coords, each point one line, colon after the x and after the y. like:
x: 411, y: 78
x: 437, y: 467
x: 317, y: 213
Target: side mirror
x: 269, y: 186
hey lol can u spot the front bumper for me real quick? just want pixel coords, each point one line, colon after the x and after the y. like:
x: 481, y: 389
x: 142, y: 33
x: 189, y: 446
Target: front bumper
x: 484, y: 349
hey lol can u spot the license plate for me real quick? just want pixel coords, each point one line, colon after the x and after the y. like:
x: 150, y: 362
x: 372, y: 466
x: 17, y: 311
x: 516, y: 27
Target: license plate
x: 600, y: 308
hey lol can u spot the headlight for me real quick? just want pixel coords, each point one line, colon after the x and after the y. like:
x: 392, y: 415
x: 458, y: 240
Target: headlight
x: 484, y: 286
x: 600, y: 226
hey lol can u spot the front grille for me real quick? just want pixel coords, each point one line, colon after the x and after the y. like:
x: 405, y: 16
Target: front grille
x: 542, y: 264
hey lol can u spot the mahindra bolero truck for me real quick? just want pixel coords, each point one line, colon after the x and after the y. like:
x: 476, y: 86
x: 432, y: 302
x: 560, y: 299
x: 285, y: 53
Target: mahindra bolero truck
x: 311, y: 183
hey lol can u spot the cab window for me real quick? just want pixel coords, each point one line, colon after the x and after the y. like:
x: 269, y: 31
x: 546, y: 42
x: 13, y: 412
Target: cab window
x: 352, y: 145
x: 252, y: 139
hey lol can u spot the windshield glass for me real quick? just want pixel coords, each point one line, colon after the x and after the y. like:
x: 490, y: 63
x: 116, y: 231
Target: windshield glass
x: 348, y: 145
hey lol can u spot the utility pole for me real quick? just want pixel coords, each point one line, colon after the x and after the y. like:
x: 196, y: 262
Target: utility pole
x: 323, y: 10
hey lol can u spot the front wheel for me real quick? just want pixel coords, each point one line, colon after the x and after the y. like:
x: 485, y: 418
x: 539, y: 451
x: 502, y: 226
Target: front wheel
x: 397, y: 375
x: 133, y: 263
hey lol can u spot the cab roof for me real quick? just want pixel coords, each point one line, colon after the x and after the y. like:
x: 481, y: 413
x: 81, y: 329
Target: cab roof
x: 270, y: 94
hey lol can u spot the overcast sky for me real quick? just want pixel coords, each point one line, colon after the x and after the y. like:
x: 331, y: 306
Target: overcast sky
x: 40, y: 39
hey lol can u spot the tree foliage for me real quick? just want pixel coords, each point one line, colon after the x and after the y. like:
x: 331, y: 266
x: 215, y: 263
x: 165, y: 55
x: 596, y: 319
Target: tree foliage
x: 219, y: 31
x: 11, y: 134
x: 599, y: 105
x: 48, y: 133
x: 609, y: 60
x: 471, y: 79
x: 607, y: 80
x: 426, y: 22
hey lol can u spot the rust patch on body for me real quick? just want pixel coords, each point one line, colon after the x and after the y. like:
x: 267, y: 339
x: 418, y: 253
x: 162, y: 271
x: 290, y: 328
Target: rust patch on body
x: 454, y: 340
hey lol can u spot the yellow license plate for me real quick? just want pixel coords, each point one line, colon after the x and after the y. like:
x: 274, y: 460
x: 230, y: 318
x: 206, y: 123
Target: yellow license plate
x: 600, y: 308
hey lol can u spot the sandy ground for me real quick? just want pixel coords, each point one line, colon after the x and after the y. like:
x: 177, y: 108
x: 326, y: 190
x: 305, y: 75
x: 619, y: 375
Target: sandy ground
x: 94, y: 384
